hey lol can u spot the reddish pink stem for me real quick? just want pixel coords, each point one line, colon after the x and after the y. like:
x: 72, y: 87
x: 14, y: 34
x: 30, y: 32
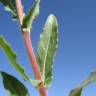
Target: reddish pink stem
x: 20, y: 10
x: 42, y: 91
x: 31, y: 55
x: 30, y: 52
x: 33, y: 61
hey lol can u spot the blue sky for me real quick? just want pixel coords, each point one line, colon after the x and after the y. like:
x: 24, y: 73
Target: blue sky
x: 76, y: 54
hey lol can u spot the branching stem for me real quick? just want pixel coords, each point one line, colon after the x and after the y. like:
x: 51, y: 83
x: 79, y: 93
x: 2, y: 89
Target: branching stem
x: 30, y: 52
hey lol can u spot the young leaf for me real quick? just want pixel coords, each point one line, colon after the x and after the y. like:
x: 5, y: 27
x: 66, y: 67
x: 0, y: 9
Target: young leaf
x: 9, y: 5
x: 78, y: 91
x: 46, y: 49
x: 30, y: 17
x: 13, y: 86
x: 12, y: 57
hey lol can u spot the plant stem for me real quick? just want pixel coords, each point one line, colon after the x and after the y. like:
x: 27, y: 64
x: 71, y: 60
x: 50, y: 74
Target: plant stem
x: 42, y: 90
x: 19, y: 10
x: 33, y: 61
x: 31, y: 55
x: 30, y: 52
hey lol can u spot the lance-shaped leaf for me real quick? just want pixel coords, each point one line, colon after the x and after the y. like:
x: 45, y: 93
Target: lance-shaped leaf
x: 13, y: 60
x: 12, y: 57
x: 13, y: 86
x: 78, y: 91
x: 46, y: 49
x: 30, y: 17
x: 9, y: 5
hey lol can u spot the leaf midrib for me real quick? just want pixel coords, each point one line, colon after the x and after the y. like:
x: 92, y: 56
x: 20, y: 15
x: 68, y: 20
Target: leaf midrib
x: 46, y: 56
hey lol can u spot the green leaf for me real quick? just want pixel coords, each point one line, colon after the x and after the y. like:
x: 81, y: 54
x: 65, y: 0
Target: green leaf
x: 13, y: 86
x: 46, y: 49
x: 13, y: 60
x: 78, y: 91
x: 12, y: 57
x: 31, y: 16
x: 9, y: 5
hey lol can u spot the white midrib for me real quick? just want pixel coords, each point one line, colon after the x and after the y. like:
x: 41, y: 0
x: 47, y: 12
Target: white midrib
x: 46, y: 57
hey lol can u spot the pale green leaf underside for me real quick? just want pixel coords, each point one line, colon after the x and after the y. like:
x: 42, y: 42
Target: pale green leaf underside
x: 12, y: 57
x: 13, y: 86
x: 78, y: 91
x: 31, y: 16
x: 46, y: 49
x: 9, y: 5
